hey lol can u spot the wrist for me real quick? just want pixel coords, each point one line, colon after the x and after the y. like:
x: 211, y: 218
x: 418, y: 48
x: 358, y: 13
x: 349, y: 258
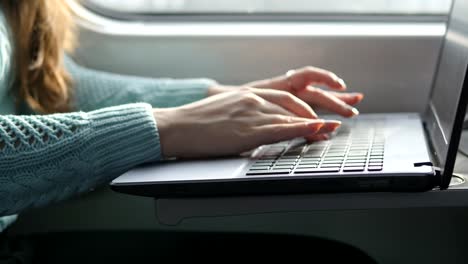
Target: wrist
x: 213, y: 90
x: 217, y: 89
x: 165, y: 123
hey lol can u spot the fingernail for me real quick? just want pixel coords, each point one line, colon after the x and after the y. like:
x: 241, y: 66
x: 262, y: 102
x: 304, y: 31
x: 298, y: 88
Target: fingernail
x: 316, y: 125
x: 314, y: 115
x: 342, y: 83
x: 334, y: 122
x: 335, y: 128
x: 355, y: 111
x: 332, y: 125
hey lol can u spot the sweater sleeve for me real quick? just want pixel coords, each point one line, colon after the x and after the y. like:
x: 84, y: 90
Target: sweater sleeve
x: 95, y: 89
x: 48, y: 158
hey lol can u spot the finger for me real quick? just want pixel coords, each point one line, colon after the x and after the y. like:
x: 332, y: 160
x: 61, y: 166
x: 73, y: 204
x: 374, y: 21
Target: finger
x: 318, y: 137
x: 329, y: 126
x: 274, y: 109
x: 287, y: 101
x: 349, y: 98
x: 272, y: 119
x: 324, y: 131
x: 304, y: 77
x: 325, y: 100
x: 268, y: 134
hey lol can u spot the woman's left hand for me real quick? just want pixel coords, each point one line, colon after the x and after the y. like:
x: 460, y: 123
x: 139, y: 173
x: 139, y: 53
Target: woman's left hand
x: 301, y: 83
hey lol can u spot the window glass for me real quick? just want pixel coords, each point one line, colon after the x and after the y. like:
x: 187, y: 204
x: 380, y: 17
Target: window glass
x: 423, y: 7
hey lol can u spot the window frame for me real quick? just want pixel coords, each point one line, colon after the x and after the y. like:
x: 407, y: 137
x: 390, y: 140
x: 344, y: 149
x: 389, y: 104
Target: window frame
x: 260, y: 16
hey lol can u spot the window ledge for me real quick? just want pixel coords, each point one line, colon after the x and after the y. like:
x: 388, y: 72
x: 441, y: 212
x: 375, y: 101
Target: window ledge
x: 97, y: 23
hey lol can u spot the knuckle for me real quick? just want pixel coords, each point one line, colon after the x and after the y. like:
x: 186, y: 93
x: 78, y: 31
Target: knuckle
x: 333, y: 76
x: 287, y: 96
x: 277, y: 132
x: 310, y: 69
x: 244, y: 89
x: 244, y: 132
x: 280, y: 119
x: 251, y: 100
x: 315, y: 90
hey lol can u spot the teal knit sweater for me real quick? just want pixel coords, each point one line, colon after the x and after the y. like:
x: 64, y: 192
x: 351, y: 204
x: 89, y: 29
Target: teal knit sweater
x: 48, y: 158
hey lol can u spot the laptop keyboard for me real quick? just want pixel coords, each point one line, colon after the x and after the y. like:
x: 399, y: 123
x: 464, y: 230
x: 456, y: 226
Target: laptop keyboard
x: 357, y: 151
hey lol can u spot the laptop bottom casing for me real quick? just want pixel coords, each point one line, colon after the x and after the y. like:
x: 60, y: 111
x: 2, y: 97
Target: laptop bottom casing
x: 407, y: 167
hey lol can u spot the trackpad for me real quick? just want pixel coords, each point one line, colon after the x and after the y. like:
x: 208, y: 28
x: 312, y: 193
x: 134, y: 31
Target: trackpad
x: 190, y: 170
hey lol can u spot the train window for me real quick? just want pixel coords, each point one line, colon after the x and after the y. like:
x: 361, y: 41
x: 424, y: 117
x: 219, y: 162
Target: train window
x: 269, y: 7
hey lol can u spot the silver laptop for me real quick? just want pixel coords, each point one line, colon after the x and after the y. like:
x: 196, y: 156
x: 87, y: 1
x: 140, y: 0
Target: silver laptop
x: 373, y: 152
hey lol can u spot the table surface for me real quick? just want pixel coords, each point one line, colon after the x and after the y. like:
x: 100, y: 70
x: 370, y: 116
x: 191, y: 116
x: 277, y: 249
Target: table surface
x: 171, y: 211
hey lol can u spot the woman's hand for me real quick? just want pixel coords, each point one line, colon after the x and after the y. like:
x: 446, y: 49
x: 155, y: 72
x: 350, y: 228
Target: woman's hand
x: 300, y: 84
x: 233, y: 122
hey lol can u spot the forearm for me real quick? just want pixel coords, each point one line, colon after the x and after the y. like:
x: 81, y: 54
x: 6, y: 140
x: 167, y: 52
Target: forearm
x: 49, y: 158
x: 95, y: 89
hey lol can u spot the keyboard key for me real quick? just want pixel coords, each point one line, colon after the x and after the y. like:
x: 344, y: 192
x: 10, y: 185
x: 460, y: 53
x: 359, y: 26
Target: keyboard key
x: 314, y: 151
x: 283, y: 167
x: 330, y: 166
x: 374, y: 168
x: 359, y: 158
x: 267, y: 172
x: 287, y: 158
x: 357, y: 153
x: 332, y: 161
x: 267, y: 159
x: 313, y: 155
x: 307, y: 166
x: 261, y: 163
x: 358, y: 149
x: 285, y: 162
x: 335, y: 154
x: 290, y: 156
x: 355, y: 164
x: 295, y: 149
x: 356, y: 161
x: 316, y: 148
x: 355, y: 144
x: 348, y: 169
x: 256, y: 167
x: 336, y: 150
x: 317, y: 170
x: 310, y: 159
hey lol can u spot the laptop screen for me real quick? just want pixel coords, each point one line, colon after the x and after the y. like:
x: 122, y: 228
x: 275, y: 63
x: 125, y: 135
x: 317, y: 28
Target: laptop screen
x: 448, y: 82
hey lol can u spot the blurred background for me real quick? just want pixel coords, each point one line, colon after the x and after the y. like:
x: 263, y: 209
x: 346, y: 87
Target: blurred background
x: 277, y: 6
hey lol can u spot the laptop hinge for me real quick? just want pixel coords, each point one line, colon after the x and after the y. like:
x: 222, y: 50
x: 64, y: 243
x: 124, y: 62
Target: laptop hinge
x: 438, y: 176
x: 437, y: 171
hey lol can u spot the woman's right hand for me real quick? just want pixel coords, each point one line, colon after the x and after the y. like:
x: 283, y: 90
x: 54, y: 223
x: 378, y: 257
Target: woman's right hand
x: 234, y: 122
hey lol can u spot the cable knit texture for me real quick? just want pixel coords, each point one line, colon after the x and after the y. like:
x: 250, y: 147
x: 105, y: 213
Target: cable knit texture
x: 48, y: 158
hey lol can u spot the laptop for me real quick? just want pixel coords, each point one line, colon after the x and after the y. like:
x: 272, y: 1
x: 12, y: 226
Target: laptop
x: 372, y: 152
